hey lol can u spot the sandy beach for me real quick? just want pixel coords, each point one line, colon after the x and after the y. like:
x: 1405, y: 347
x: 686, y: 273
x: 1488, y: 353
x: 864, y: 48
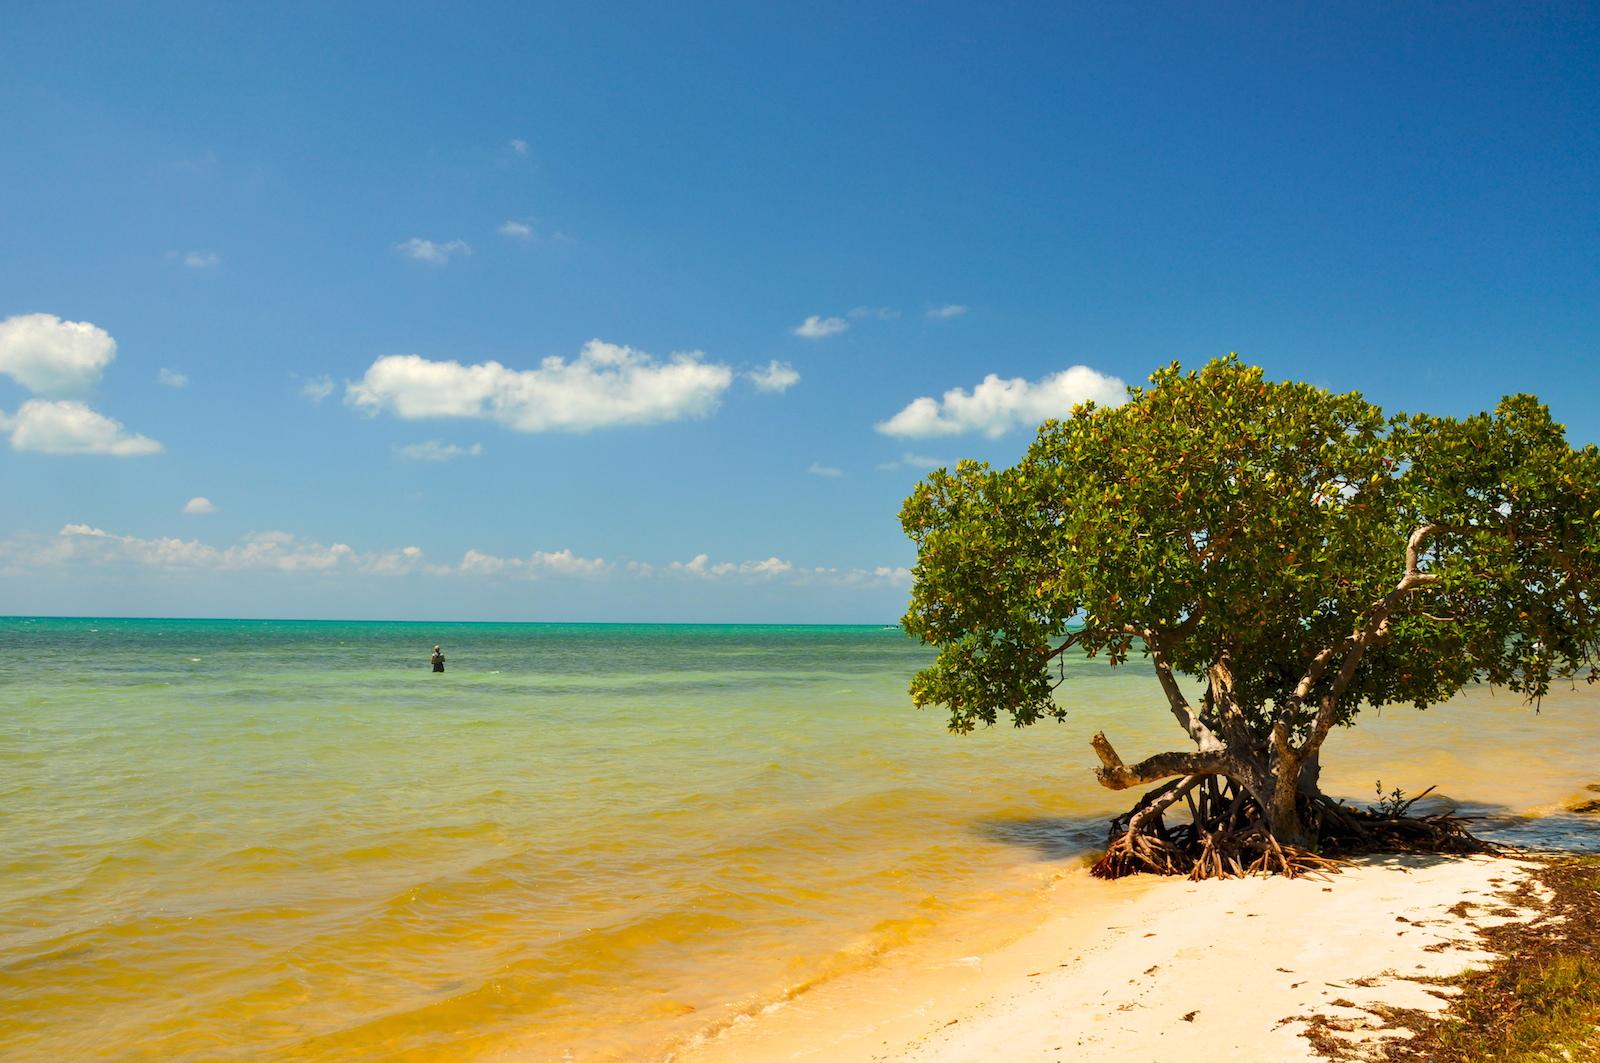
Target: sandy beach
x: 1152, y: 969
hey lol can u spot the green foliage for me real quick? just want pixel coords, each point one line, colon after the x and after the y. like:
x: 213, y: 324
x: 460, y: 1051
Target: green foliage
x: 1259, y: 524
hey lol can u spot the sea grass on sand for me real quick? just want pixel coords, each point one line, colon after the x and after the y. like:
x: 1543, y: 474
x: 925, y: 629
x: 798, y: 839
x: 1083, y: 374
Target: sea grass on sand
x: 1537, y: 1002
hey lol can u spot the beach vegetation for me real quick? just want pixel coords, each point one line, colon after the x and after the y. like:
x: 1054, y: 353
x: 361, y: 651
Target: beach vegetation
x: 1536, y: 1001
x: 1281, y: 556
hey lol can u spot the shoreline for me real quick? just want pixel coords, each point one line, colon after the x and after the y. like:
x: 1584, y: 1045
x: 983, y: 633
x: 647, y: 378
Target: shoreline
x: 1154, y: 968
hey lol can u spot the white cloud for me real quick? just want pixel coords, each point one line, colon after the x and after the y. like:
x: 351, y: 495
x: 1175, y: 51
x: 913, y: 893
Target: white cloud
x: 475, y: 561
x: 882, y: 313
x: 566, y: 563
x: 539, y: 563
x: 773, y: 568
x: 997, y: 406
x: 702, y: 566
x: 915, y: 461
x: 881, y: 576
x: 518, y: 145
x: 947, y: 311
x: 285, y: 552
x: 172, y: 378
x: 817, y: 469
x: 433, y: 450
x: 435, y: 254
x: 317, y: 388
x: 65, y: 427
x: 399, y: 562
x: 45, y: 354
x: 816, y: 328
x: 199, y: 505
x: 516, y: 230
x: 606, y: 385
x: 201, y: 259
x: 776, y: 377
x: 274, y: 550
x: 697, y: 565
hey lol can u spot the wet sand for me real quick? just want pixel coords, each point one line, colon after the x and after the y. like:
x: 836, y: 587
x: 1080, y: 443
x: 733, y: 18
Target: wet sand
x: 1160, y: 969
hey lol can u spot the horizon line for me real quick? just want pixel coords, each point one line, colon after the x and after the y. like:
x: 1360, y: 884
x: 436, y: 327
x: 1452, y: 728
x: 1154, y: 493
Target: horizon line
x: 390, y: 620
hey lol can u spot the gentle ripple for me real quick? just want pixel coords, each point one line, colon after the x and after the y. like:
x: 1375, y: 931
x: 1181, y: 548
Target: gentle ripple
x: 231, y: 840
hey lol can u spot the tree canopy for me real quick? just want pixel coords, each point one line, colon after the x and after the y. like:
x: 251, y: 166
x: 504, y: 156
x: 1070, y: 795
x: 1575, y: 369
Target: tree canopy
x: 1299, y: 553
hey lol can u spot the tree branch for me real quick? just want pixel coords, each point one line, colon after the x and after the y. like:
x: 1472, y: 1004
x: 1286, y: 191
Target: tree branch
x: 1234, y: 726
x: 1155, y: 808
x: 1372, y: 632
x: 1319, y: 664
x: 1419, y: 537
x: 1115, y: 775
x: 1202, y: 736
x: 1071, y: 641
x: 1287, y: 754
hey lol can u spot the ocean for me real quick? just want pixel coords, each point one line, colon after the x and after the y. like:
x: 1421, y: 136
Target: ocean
x: 289, y: 840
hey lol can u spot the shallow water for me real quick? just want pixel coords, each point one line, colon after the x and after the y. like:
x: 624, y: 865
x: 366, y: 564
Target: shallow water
x: 271, y: 840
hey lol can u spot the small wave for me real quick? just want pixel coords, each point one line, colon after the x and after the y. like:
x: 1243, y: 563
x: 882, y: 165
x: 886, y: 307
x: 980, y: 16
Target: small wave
x: 259, y: 859
x: 50, y: 957
x: 1563, y: 831
x: 861, y: 954
x: 1051, y: 837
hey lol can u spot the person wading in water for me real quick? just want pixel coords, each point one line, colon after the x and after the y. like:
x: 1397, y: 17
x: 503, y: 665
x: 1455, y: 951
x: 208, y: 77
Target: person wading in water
x: 437, y: 660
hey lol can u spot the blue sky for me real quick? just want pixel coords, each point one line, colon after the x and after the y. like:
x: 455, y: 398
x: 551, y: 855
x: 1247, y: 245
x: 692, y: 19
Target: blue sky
x: 336, y: 248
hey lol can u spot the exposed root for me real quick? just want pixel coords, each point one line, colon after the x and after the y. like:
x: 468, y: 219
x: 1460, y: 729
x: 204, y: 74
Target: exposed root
x: 1226, y: 836
x: 1134, y: 852
x: 1348, y: 831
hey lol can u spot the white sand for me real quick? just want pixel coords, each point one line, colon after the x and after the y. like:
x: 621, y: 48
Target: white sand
x: 1157, y: 969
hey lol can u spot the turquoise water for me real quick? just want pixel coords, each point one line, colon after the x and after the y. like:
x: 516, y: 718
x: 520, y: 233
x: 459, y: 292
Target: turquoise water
x: 274, y: 840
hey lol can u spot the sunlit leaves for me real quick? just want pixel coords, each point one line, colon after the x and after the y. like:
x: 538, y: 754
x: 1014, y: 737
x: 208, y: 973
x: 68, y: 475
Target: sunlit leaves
x: 1259, y: 523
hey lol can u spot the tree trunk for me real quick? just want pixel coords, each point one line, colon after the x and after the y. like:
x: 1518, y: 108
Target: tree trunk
x: 1311, y: 774
x: 1276, y: 790
x: 1283, y: 814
